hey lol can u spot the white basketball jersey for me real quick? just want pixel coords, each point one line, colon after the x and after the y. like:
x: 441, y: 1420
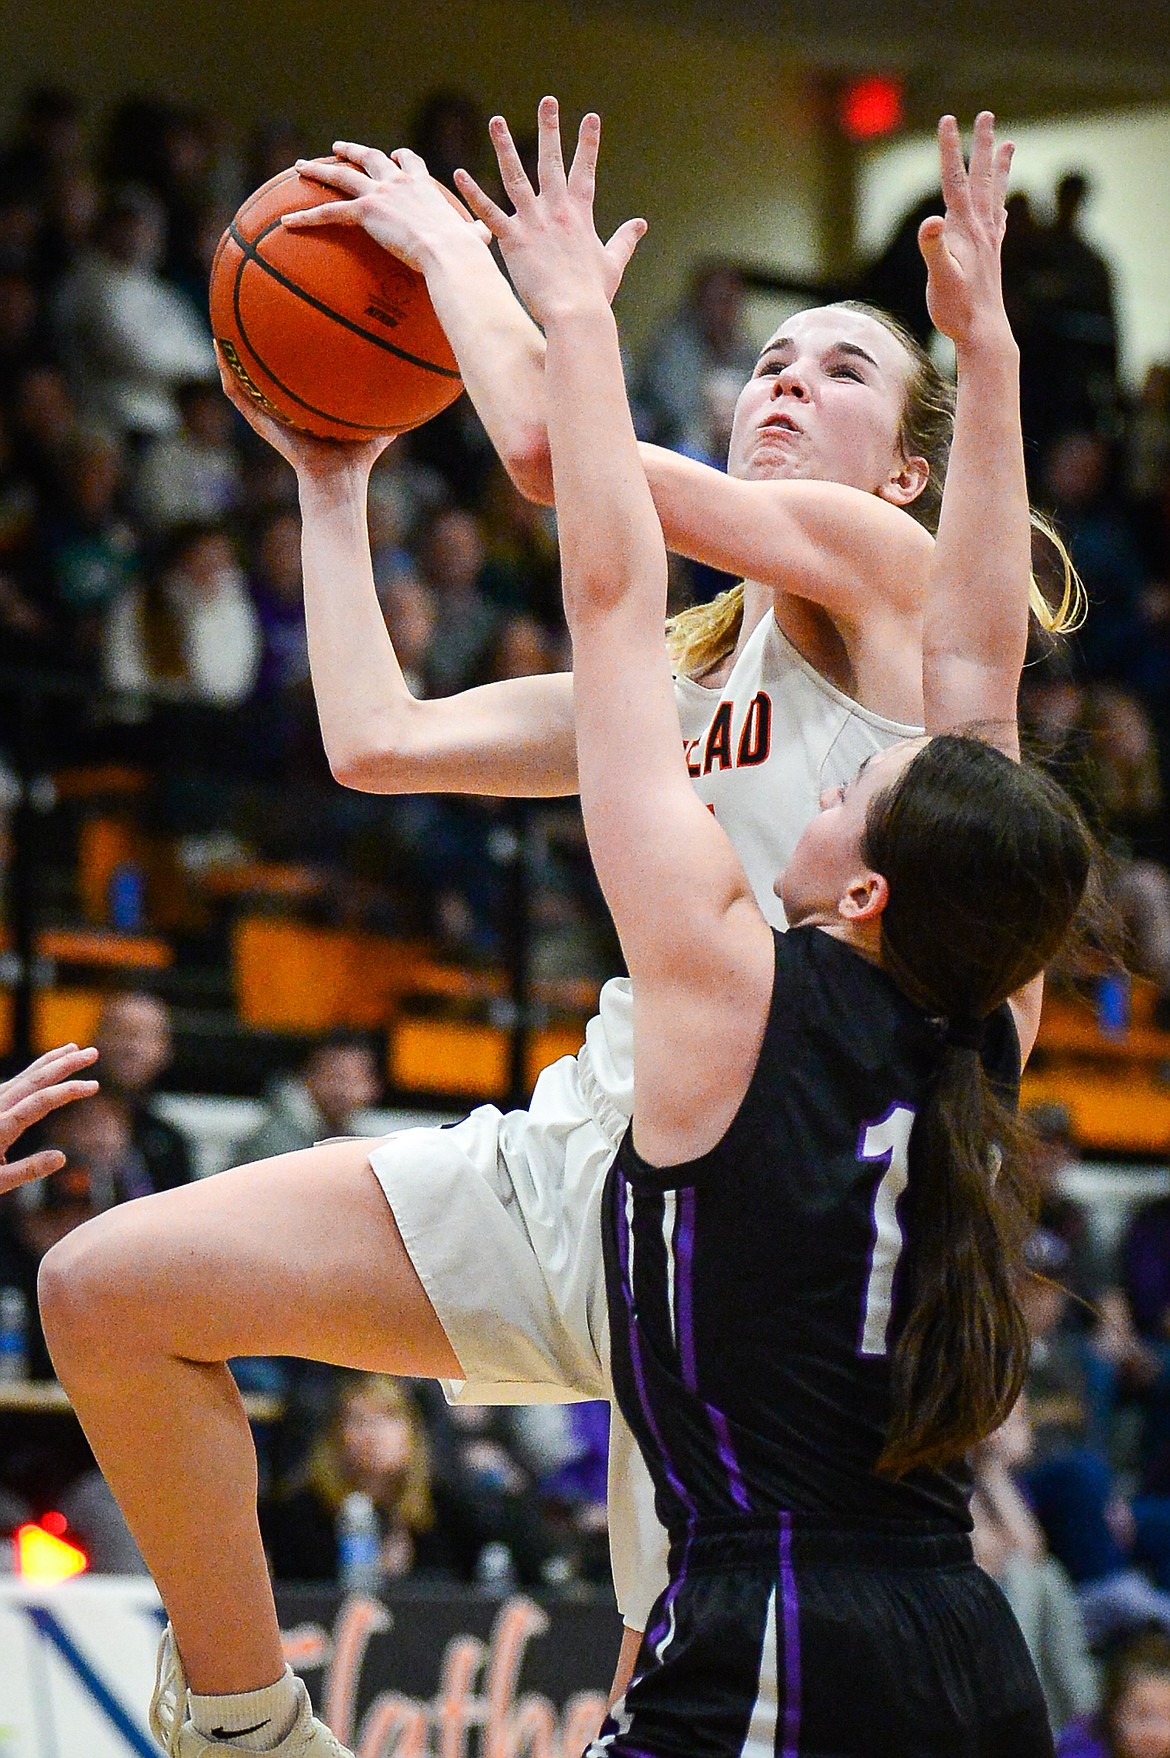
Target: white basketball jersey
x: 761, y: 749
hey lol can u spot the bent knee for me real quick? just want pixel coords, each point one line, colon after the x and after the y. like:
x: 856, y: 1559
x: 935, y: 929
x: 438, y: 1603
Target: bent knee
x: 90, y: 1299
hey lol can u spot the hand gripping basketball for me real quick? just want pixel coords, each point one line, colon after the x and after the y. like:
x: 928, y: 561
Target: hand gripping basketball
x: 323, y: 328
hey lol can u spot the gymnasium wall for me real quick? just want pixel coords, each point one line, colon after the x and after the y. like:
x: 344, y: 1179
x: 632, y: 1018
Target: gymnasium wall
x: 1127, y: 155
x: 711, y: 134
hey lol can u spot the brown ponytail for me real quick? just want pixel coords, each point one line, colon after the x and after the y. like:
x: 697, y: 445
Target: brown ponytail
x: 987, y: 862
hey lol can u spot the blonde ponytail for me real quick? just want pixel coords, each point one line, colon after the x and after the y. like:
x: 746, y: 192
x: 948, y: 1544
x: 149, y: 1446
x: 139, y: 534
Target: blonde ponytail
x: 1062, y: 614
x: 703, y: 634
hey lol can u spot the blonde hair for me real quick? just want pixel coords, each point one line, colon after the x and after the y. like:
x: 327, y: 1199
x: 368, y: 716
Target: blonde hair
x: 699, y: 637
x: 326, y: 1473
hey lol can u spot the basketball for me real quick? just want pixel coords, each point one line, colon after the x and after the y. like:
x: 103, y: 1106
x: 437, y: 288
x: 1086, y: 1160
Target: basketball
x: 324, y: 328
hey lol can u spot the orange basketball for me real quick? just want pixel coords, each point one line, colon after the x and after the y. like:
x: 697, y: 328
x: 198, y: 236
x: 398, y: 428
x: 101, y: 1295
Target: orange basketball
x: 325, y: 328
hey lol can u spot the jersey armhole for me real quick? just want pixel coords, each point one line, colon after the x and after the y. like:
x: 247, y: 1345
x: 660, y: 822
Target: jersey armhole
x: 689, y: 1172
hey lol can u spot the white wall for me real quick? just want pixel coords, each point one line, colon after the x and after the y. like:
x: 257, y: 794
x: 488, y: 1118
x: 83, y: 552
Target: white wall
x: 1127, y: 155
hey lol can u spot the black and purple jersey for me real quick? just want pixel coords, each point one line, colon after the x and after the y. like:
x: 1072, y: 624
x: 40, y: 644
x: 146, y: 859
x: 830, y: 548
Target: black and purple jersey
x: 754, y: 1293
x: 814, y: 1609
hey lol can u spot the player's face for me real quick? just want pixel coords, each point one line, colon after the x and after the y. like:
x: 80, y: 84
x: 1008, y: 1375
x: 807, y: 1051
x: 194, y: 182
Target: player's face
x: 827, y: 861
x: 824, y: 403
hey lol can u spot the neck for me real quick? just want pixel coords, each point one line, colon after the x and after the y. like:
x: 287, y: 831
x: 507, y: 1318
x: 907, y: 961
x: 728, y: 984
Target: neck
x: 865, y: 937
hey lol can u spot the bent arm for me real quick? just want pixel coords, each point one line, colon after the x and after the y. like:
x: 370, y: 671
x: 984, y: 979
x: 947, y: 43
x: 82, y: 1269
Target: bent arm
x: 509, y: 738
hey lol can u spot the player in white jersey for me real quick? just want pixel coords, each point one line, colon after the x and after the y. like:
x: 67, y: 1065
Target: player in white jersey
x: 485, y: 1267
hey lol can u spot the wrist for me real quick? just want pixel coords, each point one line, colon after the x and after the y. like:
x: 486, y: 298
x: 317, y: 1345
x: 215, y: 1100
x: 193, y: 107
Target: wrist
x: 988, y: 340
x: 332, y: 483
x: 452, y: 244
x: 578, y: 308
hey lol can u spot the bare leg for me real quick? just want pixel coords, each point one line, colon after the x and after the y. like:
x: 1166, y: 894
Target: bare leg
x: 624, y: 1671
x: 298, y: 1255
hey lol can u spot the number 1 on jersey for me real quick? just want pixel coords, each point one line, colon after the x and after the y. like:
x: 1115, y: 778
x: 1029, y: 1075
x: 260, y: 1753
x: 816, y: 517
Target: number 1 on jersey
x: 888, y: 1143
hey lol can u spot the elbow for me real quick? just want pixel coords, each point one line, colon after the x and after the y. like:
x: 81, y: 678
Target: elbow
x: 364, y: 768
x: 528, y: 462
x: 370, y: 760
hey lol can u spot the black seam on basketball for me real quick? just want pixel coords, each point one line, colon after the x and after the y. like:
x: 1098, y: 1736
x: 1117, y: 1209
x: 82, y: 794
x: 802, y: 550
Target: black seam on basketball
x: 325, y: 414
x: 252, y: 253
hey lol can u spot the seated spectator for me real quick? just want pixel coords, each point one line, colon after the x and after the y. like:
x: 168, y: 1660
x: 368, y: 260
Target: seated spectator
x: 134, y: 1037
x: 126, y: 336
x: 1145, y: 1269
x: 1009, y: 1544
x: 707, y: 333
x: 1122, y: 758
x: 1055, y: 1151
x: 26, y: 627
x: 522, y: 571
x: 190, y: 633
x: 19, y: 328
x: 1134, y: 1720
x: 194, y: 474
x: 338, y: 1081
x: 374, y: 1441
x: 451, y: 559
x: 44, y: 422
x: 409, y: 609
x: 103, y: 1168
x: 574, y: 1485
x: 283, y: 710
x: 46, y: 138
x: 481, y: 1466
x: 93, y: 550
x: 1077, y: 480
x: 1104, y: 1541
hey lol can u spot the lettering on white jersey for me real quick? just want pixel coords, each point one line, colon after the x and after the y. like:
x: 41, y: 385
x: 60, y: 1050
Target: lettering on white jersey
x: 752, y: 747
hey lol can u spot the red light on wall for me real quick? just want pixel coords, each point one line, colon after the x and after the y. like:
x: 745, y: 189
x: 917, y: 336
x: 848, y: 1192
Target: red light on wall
x: 43, y: 1558
x: 870, y: 107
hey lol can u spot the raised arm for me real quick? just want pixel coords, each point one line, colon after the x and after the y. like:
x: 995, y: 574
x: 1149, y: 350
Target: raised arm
x: 833, y: 545
x: 514, y: 737
x: 698, y: 949
x: 976, y: 628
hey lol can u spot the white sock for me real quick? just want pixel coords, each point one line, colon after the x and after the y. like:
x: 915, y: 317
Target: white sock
x: 255, y: 1721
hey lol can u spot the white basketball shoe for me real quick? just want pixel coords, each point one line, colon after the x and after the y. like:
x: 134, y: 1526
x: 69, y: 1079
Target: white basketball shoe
x: 172, y: 1727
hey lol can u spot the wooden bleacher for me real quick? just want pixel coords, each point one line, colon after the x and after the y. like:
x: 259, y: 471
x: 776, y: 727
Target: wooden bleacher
x: 1116, y: 1086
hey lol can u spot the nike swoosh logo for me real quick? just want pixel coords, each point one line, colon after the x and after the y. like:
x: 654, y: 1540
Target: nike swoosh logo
x: 237, y: 1733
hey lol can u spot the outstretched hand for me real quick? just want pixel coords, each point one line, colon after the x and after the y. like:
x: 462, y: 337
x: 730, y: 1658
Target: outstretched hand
x: 964, y: 293
x: 44, y: 1086
x: 308, y: 455
x: 550, y: 243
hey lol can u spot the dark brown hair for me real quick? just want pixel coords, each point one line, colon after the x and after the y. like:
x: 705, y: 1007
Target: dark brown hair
x: 987, y: 862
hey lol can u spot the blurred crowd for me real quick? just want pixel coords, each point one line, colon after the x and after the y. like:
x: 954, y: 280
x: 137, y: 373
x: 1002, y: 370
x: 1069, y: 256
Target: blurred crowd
x: 150, y: 545
x: 150, y: 580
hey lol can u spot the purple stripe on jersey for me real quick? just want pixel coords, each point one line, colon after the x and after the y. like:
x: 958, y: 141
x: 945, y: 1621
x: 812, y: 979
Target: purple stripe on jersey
x: 684, y: 1253
x: 730, y: 1463
x: 655, y: 1639
x: 790, y: 1612
x: 620, y: 1186
x: 684, y: 1282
